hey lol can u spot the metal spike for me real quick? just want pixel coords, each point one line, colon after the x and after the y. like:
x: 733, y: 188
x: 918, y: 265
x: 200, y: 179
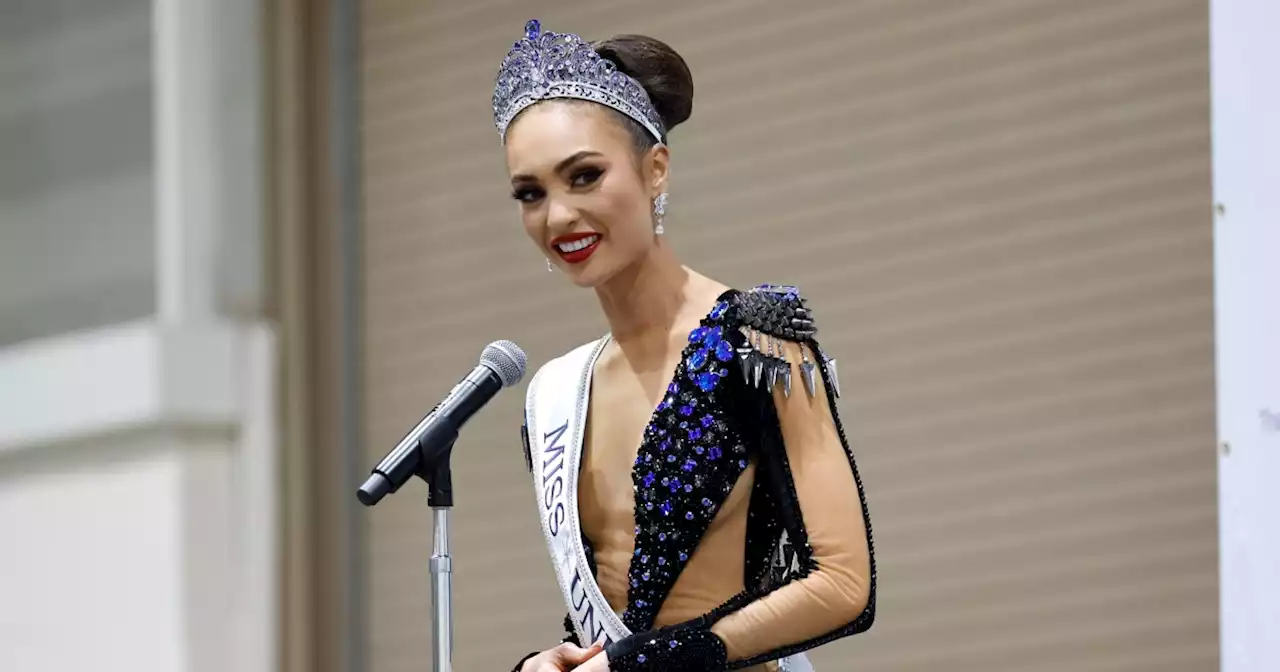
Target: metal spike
x: 834, y: 376
x: 784, y: 372
x: 744, y: 360
x: 806, y: 373
x: 771, y: 365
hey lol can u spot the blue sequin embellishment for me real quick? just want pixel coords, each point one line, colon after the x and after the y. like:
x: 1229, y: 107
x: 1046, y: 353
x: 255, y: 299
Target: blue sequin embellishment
x: 707, y: 381
x: 714, y: 454
x: 724, y: 351
x: 697, y: 360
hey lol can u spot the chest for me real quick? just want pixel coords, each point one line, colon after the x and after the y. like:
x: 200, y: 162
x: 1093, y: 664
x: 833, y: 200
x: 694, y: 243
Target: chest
x: 624, y: 395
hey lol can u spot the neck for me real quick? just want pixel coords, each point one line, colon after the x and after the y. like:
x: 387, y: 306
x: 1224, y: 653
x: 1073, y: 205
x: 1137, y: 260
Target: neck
x: 647, y: 298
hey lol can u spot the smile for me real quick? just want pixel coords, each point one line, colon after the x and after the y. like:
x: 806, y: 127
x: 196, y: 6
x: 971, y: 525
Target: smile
x: 576, y: 249
x: 576, y: 245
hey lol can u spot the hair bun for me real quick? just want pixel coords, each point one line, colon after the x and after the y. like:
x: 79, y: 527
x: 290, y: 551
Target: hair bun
x: 659, y: 69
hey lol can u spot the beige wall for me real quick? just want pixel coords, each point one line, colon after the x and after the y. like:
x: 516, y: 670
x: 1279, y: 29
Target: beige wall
x: 1000, y: 211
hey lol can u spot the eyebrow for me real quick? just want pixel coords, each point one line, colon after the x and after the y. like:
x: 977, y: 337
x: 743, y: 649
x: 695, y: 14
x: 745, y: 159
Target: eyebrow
x: 564, y: 163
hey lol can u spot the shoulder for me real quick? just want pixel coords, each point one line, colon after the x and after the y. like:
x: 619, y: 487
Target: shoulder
x: 565, y: 366
x: 773, y: 311
x: 778, y: 350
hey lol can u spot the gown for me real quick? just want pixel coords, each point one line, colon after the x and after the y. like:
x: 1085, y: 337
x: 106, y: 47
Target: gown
x: 752, y: 538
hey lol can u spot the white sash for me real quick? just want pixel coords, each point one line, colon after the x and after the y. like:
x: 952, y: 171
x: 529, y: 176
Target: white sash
x: 556, y: 415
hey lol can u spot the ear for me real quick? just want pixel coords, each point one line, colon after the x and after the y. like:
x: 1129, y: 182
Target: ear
x: 657, y: 163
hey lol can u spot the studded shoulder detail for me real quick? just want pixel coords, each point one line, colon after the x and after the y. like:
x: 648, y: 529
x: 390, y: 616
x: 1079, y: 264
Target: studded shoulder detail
x: 769, y: 314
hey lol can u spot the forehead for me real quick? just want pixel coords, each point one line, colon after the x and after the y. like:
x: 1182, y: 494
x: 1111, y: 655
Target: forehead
x: 551, y: 130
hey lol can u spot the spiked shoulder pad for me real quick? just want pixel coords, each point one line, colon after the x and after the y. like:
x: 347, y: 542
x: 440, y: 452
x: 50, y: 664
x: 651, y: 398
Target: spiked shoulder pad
x: 777, y: 311
x: 769, y: 316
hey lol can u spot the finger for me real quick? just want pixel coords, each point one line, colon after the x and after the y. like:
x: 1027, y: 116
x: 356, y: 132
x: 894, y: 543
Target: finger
x: 579, y: 656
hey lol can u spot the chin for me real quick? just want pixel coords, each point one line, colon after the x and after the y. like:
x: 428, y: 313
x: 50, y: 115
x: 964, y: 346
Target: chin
x: 592, y: 273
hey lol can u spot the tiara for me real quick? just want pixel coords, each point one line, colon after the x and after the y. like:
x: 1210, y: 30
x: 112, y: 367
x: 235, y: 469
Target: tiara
x: 561, y: 65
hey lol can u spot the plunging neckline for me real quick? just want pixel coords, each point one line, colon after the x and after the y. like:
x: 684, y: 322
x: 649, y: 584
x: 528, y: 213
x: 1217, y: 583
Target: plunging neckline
x: 714, y: 314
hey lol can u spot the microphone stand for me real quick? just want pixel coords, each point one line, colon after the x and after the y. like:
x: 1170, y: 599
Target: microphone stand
x: 439, y: 480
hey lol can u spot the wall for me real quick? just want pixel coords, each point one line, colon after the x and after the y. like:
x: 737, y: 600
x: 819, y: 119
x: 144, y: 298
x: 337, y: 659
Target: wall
x: 1246, y: 169
x: 1000, y: 211
x: 76, y: 175
x: 138, y: 393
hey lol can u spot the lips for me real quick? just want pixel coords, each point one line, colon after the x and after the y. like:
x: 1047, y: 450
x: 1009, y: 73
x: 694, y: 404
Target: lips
x: 576, y: 248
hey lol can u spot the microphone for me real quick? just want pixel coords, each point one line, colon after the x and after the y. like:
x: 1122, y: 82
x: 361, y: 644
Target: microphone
x: 501, y: 365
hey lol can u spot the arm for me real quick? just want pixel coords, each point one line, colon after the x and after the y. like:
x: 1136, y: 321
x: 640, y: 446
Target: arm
x: 835, y: 590
x: 832, y: 596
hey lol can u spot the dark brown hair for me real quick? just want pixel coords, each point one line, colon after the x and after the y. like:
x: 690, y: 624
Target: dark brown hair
x: 663, y: 74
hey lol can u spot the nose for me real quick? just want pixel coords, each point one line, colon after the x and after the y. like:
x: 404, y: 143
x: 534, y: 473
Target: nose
x: 561, y: 215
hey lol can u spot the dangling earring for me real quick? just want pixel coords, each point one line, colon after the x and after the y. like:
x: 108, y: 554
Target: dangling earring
x: 550, y: 268
x: 659, y: 212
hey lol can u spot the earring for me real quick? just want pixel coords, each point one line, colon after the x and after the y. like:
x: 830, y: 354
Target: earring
x: 550, y: 268
x: 659, y: 212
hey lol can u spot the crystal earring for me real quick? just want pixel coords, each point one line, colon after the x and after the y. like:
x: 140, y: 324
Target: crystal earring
x: 550, y: 268
x: 659, y: 212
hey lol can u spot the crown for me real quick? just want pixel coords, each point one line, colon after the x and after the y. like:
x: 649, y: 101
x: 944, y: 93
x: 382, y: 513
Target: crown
x: 559, y: 65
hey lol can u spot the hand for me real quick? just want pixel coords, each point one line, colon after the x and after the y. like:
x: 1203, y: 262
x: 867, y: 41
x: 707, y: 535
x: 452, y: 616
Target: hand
x: 597, y: 663
x: 562, y: 658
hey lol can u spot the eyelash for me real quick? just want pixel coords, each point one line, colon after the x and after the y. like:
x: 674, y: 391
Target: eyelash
x: 534, y: 194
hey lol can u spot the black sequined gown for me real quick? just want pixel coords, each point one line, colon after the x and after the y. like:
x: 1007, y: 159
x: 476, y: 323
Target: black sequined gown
x: 753, y: 358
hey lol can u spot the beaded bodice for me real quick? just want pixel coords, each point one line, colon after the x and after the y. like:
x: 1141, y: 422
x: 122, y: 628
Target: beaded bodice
x: 807, y: 577
x: 717, y: 417
x: 691, y: 456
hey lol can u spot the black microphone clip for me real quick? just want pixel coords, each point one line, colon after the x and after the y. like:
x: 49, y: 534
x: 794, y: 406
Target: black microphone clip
x: 425, y: 451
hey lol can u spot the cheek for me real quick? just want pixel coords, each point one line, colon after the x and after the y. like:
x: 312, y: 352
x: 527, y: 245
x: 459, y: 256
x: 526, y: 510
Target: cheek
x: 622, y: 207
x: 534, y: 221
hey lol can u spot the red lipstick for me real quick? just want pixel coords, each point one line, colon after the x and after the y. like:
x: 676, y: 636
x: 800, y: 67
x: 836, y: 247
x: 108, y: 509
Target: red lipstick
x: 580, y: 246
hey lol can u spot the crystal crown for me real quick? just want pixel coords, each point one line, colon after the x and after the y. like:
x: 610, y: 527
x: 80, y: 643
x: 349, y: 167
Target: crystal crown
x: 547, y: 65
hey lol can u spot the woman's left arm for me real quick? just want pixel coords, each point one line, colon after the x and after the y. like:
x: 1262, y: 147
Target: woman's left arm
x: 831, y: 597
x: 836, y: 588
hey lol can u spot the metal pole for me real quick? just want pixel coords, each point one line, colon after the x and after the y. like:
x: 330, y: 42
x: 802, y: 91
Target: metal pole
x: 442, y: 594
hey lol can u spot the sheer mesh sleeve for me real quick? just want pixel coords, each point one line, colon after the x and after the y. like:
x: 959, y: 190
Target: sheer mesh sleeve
x: 827, y: 525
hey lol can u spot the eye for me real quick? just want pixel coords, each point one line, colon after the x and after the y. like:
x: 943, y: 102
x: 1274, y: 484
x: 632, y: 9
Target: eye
x: 586, y: 177
x: 527, y: 194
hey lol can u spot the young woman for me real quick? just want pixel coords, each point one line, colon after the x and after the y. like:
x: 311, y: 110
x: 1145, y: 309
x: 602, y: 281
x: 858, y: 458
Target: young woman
x: 728, y: 528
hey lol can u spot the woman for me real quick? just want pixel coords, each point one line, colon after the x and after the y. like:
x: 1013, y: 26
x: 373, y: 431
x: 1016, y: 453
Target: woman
x: 726, y: 529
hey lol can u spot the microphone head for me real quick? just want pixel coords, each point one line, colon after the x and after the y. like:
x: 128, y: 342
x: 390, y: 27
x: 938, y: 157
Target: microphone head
x: 505, y: 359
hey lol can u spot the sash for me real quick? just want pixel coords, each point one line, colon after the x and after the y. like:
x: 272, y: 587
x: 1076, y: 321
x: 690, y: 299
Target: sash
x: 556, y: 416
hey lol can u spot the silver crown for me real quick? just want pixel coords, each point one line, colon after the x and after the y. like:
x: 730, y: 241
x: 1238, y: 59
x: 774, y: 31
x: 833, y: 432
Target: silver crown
x: 560, y: 65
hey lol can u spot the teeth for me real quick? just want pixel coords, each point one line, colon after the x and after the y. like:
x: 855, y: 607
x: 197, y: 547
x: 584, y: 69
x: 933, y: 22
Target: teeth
x: 577, y: 244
